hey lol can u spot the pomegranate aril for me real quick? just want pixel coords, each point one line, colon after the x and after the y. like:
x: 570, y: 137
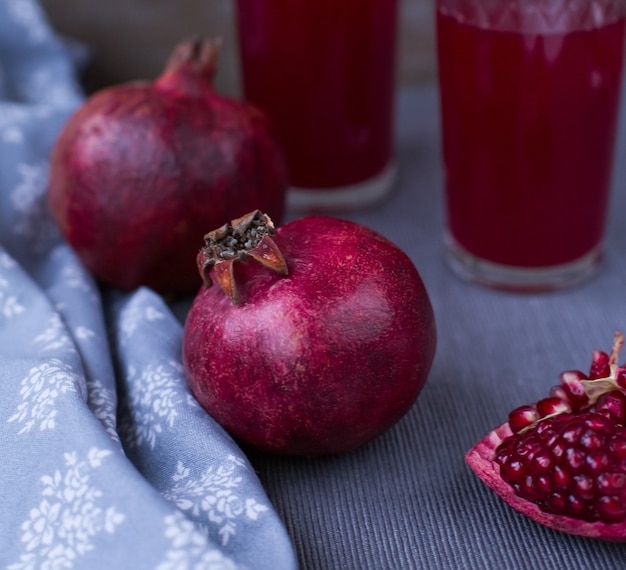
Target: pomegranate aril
x: 575, y: 507
x: 584, y: 487
x: 558, y: 449
x: 600, y: 365
x: 514, y: 471
x: 609, y: 483
x: 574, y: 460
x: 543, y: 485
x: 527, y: 448
x: 573, y: 432
x: 571, y: 383
x: 561, y: 478
x: 597, y: 462
x: 620, y: 377
x: 556, y: 503
x: 593, y: 440
x: 613, y: 405
x: 542, y: 462
x: 527, y: 489
x: 617, y: 447
x: 522, y: 417
x: 571, y: 464
x: 610, y: 508
x: 552, y: 405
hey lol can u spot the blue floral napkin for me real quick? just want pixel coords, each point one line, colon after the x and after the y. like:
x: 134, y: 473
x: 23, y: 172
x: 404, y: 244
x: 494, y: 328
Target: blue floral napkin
x: 106, y: 460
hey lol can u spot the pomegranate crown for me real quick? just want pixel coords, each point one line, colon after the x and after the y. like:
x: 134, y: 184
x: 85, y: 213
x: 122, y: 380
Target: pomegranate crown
x: 249, y: 236
x: 191, y: 67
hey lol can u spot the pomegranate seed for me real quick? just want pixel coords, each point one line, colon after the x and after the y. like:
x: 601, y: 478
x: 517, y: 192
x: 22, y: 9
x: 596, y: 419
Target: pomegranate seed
x: 574, y: 460
x: 599, y: 422
x: 584, y: 486
x: 561, y: 478
x: 513, y: 472
x: 542, y: 462
x: 575, y: 507
x: 527, y: 489
x: 612, y: 404
x: 572, y: 386
x: 597, y: 462
x: 573, y: 433
x: 552, y: 405
x: 556, y: 503
x: 611, y: 482
x: 522, y: 417
x: 569, y: 464
x: 618, y: 447
x: 527, y: 448
x: 558, y: 449
x: 571, y: 382
x: 620, y: 377
x: 543, y: 485
x: 600, y: 365
x: 610, y: 509
x: 592, y: 440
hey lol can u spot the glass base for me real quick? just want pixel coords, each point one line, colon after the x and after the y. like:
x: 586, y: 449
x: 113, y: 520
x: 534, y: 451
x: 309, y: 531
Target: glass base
x: 345, y: 198
x: 522, y: 279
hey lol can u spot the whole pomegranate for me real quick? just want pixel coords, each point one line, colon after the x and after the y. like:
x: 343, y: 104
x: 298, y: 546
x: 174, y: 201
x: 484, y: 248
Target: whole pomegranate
x: 317, y: 345
x: 143, y: 168
x: 562, y: 461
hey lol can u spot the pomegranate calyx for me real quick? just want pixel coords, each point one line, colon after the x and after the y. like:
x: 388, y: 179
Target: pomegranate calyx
x: 191, y: 67
x: 245, y: 237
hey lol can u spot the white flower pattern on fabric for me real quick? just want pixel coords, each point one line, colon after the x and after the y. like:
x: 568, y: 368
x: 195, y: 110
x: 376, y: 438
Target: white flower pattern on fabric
x: 103, y: 404
x: 62, y: 527
x: 153, y: 402
x: 40, y: 390
x: 189, y: 548
x: 9, y: 304
x: 137, y: 312
x: 32, y: 220
x: 55, y: 336
x: 214, y: 496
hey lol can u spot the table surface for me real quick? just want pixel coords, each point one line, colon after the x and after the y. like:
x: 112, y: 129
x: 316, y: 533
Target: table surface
x: 408, y: 500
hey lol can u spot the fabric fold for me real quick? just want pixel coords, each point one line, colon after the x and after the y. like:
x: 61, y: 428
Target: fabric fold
x: 107, y: 460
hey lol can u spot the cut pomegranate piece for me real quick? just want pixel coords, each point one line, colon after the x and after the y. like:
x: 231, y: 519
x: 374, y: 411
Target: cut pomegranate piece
x: 562, y: 461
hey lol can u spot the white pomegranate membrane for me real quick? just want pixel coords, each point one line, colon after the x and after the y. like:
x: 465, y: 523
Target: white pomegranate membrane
x: 562, y: 461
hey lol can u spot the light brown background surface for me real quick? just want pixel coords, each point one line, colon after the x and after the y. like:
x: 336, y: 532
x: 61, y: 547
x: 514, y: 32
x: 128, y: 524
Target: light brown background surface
x: 131, y: 39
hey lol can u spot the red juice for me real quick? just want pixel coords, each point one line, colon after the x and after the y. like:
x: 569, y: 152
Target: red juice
x: 323, y: 70
x: 528, y: 131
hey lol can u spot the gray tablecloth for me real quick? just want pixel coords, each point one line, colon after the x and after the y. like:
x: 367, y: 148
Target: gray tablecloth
x: 408, y: 500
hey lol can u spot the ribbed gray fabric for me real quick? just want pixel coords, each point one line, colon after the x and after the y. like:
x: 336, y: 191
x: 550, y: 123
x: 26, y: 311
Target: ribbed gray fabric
x: 407, y: 500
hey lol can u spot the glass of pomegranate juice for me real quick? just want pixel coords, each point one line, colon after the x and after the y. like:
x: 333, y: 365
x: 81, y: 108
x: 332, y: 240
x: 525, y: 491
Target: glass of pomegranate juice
x: 529, y: 100
x: 324, y: 73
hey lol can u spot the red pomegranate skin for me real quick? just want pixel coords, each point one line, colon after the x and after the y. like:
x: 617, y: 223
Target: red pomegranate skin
x: 322, y: 360
x: 143, y: 168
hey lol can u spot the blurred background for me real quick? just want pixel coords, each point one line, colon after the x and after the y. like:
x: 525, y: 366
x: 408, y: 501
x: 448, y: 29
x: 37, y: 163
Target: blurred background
x: 132, y: 39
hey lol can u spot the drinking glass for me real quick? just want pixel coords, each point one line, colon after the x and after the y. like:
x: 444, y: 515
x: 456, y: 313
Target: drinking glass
x: 529, y: 100
x: 324, y: 73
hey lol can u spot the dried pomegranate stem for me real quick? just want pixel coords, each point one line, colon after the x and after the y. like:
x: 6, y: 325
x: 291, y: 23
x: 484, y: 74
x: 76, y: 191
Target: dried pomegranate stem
x: 245, y: 237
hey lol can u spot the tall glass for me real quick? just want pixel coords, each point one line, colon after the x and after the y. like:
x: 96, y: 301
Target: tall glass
x: 529, y: 97
x: 324, y: 71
